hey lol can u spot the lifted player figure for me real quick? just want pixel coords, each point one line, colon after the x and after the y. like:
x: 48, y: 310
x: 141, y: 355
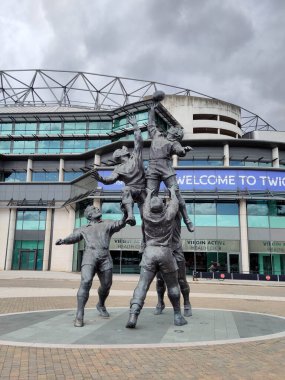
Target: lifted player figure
x: 130, y: 171
x: 160, y: 167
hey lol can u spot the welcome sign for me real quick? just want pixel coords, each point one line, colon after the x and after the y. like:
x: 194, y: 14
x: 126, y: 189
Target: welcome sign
x: 221, y: 180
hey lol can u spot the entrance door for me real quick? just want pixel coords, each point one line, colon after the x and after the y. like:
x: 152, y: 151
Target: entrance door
x: 233, y: 263
x: 267, y: 265
x: 28, y: 259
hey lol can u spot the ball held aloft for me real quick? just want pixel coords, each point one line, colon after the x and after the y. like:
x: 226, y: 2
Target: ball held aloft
x: 158, y: 96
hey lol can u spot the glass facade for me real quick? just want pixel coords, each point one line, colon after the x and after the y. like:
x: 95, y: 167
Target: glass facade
x: 45, y: 176
x: 267, y: 263
x: 49, y: 128
x: 70, y: 176
x: 15, y: 176
x: 6, y: 129
x: 205, y: 162
x: 24, y: 146
x: 48, y: 146
x: 28, y: 253
x: 5, y: 146
x: 266, y: 214
x: 250, y: 163
x: 213, y: 214
x: 31, y: 220
x: 25, y: 129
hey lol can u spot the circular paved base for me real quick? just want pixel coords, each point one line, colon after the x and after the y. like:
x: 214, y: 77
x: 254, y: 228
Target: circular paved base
x: 55, y: 328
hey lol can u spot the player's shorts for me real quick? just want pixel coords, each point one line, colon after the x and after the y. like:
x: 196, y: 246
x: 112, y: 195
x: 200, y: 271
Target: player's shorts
x: 179, y: 255
x: 160, y: 169
x: 100, y: 262
x: 158, y: 258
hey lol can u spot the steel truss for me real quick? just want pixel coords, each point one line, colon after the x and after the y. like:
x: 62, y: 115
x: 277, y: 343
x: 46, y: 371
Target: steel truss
x: 93, y: 92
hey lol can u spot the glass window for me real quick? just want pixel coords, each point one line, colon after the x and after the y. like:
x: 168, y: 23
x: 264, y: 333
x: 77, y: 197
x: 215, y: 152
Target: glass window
x: 227, y: 208
x: 28, y: 255
x: 76, y: 128
x: 97, y: 127
x: 205, y: 214
x: 5, y: 146
x: 45, y: 176
x: 276, y: 222
x: 111, y: 210
x: 6, y: 129
x: 25, y: 128
x: 70, y: 176
x: 74, y: 146
x: 31, y: 220
x: 120, y: 123
x: 258, y: 221
x: 24, y: 147
x: 258, y: 212
x: 251, y: 163
x: 93, y: 144
x: 49, y: 146
x: 227, y: 220
x: 206, y: 208
x: 142, y: 117
x: 257, y: 208
x: 200, y: 163
x: 15, y: 176
x: 236, y: 163
x: 49, y: 128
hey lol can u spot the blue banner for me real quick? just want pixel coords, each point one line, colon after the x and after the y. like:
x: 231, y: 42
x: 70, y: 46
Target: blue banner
x: 220, y: 180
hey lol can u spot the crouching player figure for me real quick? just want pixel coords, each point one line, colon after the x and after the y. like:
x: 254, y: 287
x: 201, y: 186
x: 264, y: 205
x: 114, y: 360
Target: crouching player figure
x: 96, y: 258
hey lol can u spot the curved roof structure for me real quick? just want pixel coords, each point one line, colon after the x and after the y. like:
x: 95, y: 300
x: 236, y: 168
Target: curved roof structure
x: 81, y: 90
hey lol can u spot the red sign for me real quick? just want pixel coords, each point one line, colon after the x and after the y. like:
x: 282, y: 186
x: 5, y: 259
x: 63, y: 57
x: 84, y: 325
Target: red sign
x: 222, y: 275
x: 268, y: 278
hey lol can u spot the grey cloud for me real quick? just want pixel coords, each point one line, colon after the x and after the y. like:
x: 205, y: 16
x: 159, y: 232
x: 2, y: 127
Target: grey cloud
x: 225, y: 48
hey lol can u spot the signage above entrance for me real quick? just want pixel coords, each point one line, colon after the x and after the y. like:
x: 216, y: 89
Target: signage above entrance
x: 221, y: 180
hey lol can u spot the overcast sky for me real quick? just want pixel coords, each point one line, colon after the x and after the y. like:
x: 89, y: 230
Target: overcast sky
x: 229, y: 49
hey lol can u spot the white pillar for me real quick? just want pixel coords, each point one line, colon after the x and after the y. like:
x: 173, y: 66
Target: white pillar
x: 97, y: 162
x: 175, y: 160
x: 275, y: 157
x: 11, y: 237
x: 47, y: 239
x: 226, y: 155
x: 243, y: 237
x: 61, y: 171
x: 29, y: 170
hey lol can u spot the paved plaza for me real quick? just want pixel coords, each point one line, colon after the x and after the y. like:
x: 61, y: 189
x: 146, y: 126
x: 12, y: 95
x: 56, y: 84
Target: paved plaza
x: 237, y: 331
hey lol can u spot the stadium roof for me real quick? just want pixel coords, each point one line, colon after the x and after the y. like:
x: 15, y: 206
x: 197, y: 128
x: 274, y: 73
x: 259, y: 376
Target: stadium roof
x: 59, y: 91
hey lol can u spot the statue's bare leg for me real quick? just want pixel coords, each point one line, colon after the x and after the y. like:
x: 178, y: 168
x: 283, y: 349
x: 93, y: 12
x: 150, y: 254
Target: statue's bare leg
x: 87, y: 274
x: 173, y: 292
x: 169, y: 182
x: 146, y: 278
x: 128, y: 204
x: 160, y: 289
x: 105, y: 279
x: 184, y: 288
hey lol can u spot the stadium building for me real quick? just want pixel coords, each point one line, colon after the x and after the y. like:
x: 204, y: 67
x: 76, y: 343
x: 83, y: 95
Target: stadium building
x: 55, y: 126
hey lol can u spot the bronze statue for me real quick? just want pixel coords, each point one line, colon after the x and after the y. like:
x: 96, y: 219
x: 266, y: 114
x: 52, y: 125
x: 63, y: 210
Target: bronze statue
x: 96, y: 258
x: 180, y: 259
x: 157, y: 256
x: 130, y: 171
x: 160, y: 165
